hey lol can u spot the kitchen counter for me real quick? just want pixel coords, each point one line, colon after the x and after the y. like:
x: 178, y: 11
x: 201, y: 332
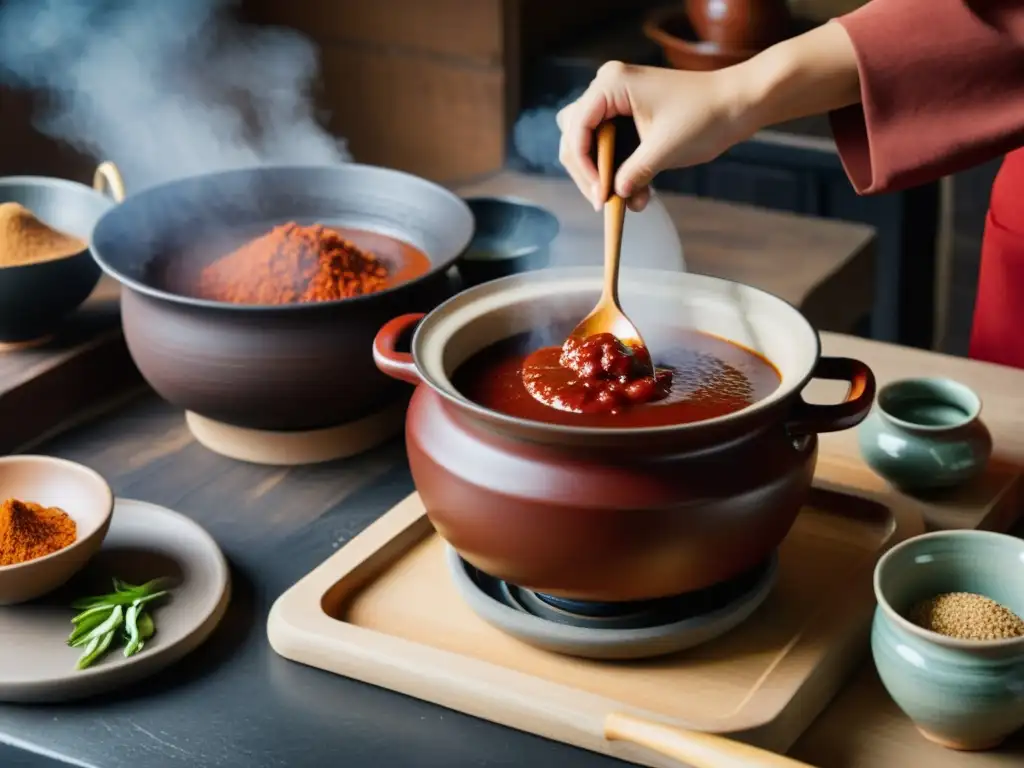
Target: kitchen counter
x: 234, y: 703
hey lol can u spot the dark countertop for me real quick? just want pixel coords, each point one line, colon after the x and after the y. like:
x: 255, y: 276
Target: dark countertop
x: 234, y: 702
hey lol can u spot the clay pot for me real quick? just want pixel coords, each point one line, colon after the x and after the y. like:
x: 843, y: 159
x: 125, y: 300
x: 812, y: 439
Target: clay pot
x: 737, y: 25
x: 615, y: 514
x: 672, y: 31
x: 295, y: 367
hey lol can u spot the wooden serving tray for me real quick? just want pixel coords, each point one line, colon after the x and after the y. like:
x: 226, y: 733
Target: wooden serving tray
x: 383, y: 610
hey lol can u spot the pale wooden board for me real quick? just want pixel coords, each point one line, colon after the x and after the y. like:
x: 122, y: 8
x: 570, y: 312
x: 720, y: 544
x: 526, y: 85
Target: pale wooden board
x: 383, y: 610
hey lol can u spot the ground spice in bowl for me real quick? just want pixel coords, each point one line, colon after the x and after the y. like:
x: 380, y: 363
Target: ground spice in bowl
x: 293, y: 264
x: 24, y: 239
x: 967, y: 616
x: 29, y: 530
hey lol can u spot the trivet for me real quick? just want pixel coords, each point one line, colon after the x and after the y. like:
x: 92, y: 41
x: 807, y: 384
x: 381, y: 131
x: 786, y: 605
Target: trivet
x: 609, y: 630
x: 384, y: 609
x: 298, y: 448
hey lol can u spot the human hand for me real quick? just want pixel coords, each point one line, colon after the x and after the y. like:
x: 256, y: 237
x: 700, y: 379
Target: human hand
x: 683, y: 119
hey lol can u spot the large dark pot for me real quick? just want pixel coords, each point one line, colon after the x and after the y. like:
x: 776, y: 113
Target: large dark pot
x: 295, y: 367
x: 615, y: 514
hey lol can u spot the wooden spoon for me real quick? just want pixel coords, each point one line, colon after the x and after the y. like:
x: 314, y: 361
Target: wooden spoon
x: 699, y: 750
x: 607, y: 316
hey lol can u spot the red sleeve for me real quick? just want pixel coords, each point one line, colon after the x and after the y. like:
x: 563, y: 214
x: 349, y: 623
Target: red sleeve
x: 942, y: 89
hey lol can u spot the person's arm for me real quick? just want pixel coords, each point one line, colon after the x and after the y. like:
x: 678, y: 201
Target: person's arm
x: 916, y: 89
x: 811, y: 74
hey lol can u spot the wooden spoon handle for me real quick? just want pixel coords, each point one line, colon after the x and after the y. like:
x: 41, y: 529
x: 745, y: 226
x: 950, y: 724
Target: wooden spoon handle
x: 614, y: 209
x: 698, y: 750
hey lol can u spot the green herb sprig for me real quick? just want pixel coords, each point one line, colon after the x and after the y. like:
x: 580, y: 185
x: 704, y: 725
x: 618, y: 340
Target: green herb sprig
x: 121, y: 612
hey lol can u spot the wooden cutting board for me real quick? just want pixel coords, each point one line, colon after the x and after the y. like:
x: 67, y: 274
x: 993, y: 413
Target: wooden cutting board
x: 82, y: 371
x: 383, y: 610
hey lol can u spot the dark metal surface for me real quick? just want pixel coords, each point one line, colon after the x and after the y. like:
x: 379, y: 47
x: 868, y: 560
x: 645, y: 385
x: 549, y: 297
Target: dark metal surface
x: 234, y: 702
x: 511, y: 236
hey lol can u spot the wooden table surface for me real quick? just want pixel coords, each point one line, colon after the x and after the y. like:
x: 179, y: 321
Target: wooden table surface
x: 863, y: 728
x: 234, y: 703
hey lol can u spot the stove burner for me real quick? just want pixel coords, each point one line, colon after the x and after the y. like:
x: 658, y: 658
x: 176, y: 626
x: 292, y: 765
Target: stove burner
x: 627, y: 615
x: 613, y: 630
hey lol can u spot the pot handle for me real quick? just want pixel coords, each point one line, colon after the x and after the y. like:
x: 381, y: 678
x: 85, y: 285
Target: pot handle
x: 397, y: 365
x: 698, y: 750
x: 808, y: 418
x: 108, y: 177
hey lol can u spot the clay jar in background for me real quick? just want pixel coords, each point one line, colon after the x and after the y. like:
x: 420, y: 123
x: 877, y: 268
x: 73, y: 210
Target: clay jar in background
x: 739, y: 24
x: 614, y: 514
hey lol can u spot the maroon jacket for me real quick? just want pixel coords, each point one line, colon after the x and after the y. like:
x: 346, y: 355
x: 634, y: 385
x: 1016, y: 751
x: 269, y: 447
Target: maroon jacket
x: 942, y: 88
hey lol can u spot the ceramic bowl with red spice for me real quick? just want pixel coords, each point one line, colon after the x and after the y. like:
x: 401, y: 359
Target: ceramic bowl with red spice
x: 298, y: 367
x: 80, y: 492
x: 36, y: 297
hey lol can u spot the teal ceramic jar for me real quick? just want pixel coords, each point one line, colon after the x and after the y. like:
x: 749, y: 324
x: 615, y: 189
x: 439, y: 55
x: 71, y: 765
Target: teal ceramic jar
x: 963, y: 694
x: 925, y: 434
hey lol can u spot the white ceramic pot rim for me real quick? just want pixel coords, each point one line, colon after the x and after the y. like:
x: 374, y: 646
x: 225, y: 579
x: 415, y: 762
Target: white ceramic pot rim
x: 1010, y: 643
x: 495, y: 310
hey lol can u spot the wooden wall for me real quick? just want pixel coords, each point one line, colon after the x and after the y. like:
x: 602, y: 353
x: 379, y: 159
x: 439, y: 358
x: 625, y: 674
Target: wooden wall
x: 428, y: 86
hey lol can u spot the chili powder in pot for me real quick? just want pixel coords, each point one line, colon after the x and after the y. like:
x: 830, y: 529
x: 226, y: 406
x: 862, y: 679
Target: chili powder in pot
x: 293, y: 264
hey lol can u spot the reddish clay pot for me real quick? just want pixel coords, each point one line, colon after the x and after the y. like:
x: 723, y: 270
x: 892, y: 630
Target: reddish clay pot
x: 615, y: 514
x: 738, y: 25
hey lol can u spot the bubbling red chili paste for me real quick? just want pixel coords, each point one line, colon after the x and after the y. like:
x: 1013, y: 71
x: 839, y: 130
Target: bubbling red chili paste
x: 599, y: 374
x: 600, y: 382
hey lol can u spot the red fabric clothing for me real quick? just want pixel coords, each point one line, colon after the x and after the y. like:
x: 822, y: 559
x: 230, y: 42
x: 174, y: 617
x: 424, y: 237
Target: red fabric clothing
x: 997, y: 334
x: 942, y: 89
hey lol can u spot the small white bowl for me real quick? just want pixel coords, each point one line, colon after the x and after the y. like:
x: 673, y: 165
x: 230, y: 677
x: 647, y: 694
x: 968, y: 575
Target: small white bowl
x: 82, y: 493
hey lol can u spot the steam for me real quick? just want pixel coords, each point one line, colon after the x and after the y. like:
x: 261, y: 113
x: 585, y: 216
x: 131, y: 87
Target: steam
x: 166, y: 89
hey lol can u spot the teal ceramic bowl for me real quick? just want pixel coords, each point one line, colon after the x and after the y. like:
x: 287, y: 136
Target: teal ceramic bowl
x: 925, y: 434
x: 962, y: 694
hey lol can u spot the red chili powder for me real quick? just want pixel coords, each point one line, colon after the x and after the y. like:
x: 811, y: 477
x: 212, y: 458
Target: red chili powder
x: 293, y: 264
